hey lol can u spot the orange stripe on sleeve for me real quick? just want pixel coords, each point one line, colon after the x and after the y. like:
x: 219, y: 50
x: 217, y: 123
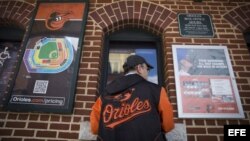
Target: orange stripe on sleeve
x: 166, y: 111
x: 95, y: 116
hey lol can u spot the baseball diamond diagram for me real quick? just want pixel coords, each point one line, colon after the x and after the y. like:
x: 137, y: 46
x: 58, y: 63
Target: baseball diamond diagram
x: 50, y: 55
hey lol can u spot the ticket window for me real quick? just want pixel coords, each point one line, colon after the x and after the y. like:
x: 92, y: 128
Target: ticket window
x: 125, y: 43
x: 119, y: 51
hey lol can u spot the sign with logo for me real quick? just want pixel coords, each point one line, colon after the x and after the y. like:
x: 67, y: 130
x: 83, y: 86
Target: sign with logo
x: 205, y: 82
x: 46, y: 78
x: 195, y: 25
x: 8, y: 55
x: 4, y: 56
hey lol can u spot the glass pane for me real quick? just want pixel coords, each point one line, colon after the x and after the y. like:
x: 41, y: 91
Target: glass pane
x: 118, y: 56
x: 150, y: 56
x: 8, y: 55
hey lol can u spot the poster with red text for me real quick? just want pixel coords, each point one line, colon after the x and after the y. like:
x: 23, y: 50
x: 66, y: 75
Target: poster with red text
x: 205, y: 82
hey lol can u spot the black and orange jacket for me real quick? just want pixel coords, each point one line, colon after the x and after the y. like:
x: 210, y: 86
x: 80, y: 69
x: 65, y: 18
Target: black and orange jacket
x: 132, y: 109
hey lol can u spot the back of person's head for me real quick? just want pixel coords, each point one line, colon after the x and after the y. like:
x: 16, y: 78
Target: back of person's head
x: 132, y: 61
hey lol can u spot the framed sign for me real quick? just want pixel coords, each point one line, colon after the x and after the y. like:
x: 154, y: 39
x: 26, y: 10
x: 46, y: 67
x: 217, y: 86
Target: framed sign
x: 46, y: 76
x: 195, y: 25
x: 205, y: 82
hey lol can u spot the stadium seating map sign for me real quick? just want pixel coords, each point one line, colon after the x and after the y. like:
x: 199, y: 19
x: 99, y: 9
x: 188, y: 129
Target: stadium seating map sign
x: 47, y: 73
x: 205, y: 83
x: 50, y: 55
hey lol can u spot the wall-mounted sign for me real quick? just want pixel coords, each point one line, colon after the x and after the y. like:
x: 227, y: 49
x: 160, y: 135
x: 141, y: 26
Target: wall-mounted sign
x: 47, y: 73
x: 205, y: 82
x: 195, y: 25
x: 8, y: 55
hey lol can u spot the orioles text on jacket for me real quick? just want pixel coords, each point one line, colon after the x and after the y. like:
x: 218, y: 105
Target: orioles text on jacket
x: 113, y: 116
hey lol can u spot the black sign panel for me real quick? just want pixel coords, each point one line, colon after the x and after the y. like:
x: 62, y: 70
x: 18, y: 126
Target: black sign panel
x: 47, y: 73
x: 195, y: 25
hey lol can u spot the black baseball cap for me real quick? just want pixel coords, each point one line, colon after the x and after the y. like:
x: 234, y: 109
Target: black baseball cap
x: 134, y: 60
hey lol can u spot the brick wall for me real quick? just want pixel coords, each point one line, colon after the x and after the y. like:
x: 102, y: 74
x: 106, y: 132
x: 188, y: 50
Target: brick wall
x: 230, y: 19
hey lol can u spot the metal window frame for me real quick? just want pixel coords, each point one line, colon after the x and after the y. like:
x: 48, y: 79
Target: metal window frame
x: 136, y: 36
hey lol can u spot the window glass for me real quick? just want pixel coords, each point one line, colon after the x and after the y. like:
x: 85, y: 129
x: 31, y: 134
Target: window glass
x: 10, y: 41
x: 8, y: 55
x: 117, y: 57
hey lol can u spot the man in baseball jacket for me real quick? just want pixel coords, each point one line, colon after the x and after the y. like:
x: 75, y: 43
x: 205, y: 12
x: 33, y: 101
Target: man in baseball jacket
x: 132, y: 108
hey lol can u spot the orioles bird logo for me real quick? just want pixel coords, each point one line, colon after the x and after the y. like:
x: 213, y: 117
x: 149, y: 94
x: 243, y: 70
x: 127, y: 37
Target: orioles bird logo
x: 57, y: 19
x: 122, y: 97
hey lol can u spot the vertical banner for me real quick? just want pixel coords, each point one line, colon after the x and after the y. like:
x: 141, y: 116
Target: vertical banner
x: 46, y: 76
x: 205, y: 82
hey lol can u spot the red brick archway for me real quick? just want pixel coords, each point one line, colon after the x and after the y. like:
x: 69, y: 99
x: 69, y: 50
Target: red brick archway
x: 15, y: 13
x: 239, y: 17
x: 138, y: 14
x: 144, y: 15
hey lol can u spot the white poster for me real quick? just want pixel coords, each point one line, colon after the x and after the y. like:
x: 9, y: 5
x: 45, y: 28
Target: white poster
x: 205, y: 82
